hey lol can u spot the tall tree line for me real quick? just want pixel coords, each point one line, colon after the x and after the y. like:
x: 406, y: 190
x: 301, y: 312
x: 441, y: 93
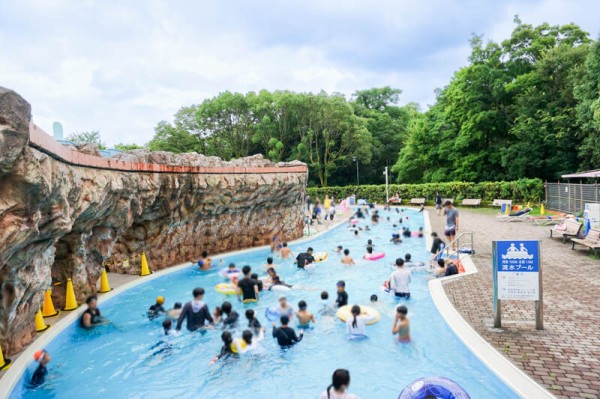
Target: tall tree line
x: 526, y: 107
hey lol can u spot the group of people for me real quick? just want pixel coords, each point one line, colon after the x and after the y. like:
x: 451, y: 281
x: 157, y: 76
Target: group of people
x: 320, y: 210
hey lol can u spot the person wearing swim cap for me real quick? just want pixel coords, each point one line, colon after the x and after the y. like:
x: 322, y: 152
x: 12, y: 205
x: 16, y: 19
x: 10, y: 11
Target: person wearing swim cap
x: 39, y: 375
x: 342, y: 295
x: 92, y: 316
x: 155, y: 310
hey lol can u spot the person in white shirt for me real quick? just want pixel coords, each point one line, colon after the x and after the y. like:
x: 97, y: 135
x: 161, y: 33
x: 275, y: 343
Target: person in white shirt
x: 339, y: 386
x: 357, y: 324
x: 400, y: 280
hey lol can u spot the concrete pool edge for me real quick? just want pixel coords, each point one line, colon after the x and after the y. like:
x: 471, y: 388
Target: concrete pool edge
x: 511, y: 375
x: 13, y: 375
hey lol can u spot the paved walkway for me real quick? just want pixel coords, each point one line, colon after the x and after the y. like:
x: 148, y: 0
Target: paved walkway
x: 565, y: 356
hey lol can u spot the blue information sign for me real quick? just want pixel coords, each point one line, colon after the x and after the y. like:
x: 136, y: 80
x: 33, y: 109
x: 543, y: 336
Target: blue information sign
x: 518, y: 268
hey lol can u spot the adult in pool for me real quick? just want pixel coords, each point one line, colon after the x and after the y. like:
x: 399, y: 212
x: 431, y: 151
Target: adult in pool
x: 305, y: 258
x: 402, y: 324
x: 195, y: 312
x: 339, y: 386
x: 92, y: 316
x: 205, y: 262
x: 286, y: 336
x: 247, y: 287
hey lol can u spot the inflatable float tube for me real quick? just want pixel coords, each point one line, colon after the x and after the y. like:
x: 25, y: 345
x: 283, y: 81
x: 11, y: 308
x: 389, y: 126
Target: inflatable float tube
x: 374, y: 256
x: 437, y: 387
x: 272, y: 314
x: 279, y: 287
x: 226, y: 288
x: 344, y: 313
x: 320, y: 256
x: 224, y: 272
x: 385, y: 287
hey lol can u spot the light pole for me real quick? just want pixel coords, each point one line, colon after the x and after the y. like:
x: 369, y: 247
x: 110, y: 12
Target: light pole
x: 354, y: 159
x: 387, y: 191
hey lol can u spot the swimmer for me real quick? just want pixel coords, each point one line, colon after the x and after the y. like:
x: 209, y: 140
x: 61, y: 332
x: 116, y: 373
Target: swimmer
x: 356, y: 233
x: 370, y: 243
x: 356, y: 325
x: 231, y: 269
x: 258, y: 281
x: 279, y: 281
x: 342, y: 295
x: 231, y: 316
x: 253, y: 323
x: 402, y: 324
x: 217, y: 315
x: 408, y: 263
x: 205, y: 262
x: 92, y: 316
x: 420, y: 233
x: 374, y: 299
x: 268, y: 281
x: 369, y: 251
x: 326, y: 306
x: 338, y: 249
x: 247, y: 343
x: 396, y: 239
x: 39, y: 375
x: 285, y: 251
x: 175, y: 312
x: 269, y: 263
x: 286, y: 336
x: 405, y: 232
x: 347, y: 259
x: 339, y: 386
x: 284, y: 308
x: 226, y: 349
x: 167, y: 325
x: 304, y: 317
x: 247, y: 289
x: 156, y: 309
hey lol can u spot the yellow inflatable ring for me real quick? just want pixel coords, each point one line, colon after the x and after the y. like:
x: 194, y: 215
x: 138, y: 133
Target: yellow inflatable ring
x: 344, y: 313
x: 320, y: 256
x: 226, y: 288
x: 240, y: 342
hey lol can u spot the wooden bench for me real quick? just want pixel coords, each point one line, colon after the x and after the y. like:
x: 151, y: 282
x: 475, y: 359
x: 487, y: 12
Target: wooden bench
x: 471, y: 202
x: 569, y: 229
x: 417, y: 201
x: 500, y: 202
x: 447, y: 199
x: 592, y: 240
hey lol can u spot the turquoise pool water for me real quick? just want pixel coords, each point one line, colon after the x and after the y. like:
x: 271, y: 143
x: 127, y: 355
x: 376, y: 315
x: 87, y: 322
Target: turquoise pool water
x: 127, y: 358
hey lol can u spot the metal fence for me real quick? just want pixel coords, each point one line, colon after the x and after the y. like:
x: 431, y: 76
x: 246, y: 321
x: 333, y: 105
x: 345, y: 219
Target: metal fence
x: 571, y: 197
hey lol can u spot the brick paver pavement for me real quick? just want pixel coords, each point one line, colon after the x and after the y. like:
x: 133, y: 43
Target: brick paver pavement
x: 565, y: 356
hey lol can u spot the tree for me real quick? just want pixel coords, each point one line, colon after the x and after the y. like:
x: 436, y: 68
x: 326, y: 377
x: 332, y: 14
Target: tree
x: 128, y: 147
x: 91, y: 137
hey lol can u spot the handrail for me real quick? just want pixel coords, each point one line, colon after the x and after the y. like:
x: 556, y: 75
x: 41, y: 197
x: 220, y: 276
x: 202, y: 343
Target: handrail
x: 448, y: 248
x: 45, y: 143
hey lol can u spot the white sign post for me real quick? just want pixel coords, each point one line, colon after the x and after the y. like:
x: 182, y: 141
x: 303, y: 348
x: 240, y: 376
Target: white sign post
x: 518, y: 276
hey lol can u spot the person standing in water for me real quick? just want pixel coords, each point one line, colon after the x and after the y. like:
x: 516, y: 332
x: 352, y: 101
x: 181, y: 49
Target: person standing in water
x: 342, y: 295
x: 92, y: 316
x: 356, y: 325
x: 347, y: 259
x: 285, y: 251
x: 339, y: 386
x: 39, y: 375
x: 195, y: 312
x: 205, y: 262
x: 286, y: 336
x: 304, y: 316
x: 247, y: 288
x: 402, y: 324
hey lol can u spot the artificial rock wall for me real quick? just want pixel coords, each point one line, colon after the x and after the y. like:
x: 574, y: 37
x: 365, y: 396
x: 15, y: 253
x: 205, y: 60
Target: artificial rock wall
x: 60, y: 221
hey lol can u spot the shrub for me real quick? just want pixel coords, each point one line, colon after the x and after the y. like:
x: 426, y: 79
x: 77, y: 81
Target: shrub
x: 524, y: 190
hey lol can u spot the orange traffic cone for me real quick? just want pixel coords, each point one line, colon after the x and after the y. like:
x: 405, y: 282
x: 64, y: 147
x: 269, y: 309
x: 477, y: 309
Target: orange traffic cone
x: 40, y: 325
x: 48, y: 306
x: 145, y: 269
x: 104, y: 284
x: 70, y: 299
x: 4, y: 362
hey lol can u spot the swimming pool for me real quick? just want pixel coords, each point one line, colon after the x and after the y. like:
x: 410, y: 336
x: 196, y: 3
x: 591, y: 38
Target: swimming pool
x: 127, y: 358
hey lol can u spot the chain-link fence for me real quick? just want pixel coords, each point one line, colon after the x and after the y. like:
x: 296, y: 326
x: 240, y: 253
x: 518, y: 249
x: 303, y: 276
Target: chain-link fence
x: 571, y: 197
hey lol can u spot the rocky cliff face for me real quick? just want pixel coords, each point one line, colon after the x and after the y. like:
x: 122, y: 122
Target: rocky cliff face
x: 60, y: 221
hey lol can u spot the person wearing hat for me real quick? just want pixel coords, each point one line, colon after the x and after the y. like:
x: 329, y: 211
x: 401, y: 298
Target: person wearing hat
x: 39, y: 375
x: 342, y: 295
x: 156, y: 309
x: 305, y: 258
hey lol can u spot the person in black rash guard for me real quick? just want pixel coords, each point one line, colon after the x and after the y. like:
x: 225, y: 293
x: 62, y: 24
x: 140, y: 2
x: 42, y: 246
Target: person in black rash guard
x: 253, y: 323
x: 437, y: 245
x: 156, y: 309
x: 305, y: 258
x: 342, y: 295
x: 39, y: 375
x: 286, y: 336
x: 91, y: 317
x: 258, y: 281
x: 231, y: 316
x: 247, y: 288
x: 195, y: 312
x: 226, y: 349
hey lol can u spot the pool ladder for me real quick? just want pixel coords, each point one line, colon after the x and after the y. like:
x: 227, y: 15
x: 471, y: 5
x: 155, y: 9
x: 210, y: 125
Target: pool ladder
x: 464, y: 239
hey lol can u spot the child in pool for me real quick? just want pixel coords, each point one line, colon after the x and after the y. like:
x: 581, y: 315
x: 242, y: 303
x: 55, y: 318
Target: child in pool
x: 253, y: 323
x: 402, y: 324
x: 304, y: 317
x: 347, y: 259
x: 39, y: 375
x: 226, y: 349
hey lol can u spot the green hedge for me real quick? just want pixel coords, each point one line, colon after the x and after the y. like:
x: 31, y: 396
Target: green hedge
x: 524, y: 190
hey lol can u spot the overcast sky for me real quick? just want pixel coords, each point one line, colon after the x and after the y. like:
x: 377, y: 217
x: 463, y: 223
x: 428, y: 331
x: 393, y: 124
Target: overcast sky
x: 120, y: 67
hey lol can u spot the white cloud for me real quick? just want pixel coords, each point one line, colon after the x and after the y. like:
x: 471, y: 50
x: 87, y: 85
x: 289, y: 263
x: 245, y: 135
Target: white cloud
x: 122, y: 68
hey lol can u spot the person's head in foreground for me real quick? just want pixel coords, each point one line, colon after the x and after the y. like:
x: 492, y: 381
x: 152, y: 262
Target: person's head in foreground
x: 339, y: 381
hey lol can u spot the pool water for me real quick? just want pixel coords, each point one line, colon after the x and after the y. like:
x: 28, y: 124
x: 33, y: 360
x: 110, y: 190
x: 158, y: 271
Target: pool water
x: 129, y: 358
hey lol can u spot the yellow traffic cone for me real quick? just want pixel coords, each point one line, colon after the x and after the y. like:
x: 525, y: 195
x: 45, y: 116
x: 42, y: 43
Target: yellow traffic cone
x: 145, y: 269
x: 70, y: 299
x: 104, y: 284
x: 39, y: 322
x: 48, y: 306
x: 4, y: 362
x: 542, y: 210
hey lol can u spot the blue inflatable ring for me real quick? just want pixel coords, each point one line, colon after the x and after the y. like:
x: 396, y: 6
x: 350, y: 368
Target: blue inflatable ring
x: 438, y: 387
x: 272, y: 314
